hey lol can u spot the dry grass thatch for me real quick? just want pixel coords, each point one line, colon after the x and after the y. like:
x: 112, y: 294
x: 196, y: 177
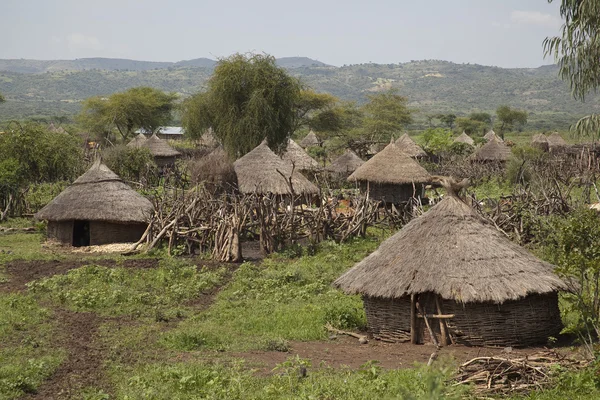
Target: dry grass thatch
x: 159, y: 147
x: 296, y: 155
x: 259, y: 172
x: 464, y: 138
x: 540, y: 141
x: 494, y: 150
x: 310, y: 140
x: 215, y: 168
x: 391, y: 166
x: 492, y: 135
x: 408, y: 146
x: 208, y: 139
x: 455, y: 253
x: 98, y: 195
x: 555, y: 140
x: 347, y: 163
x: 137, y: 141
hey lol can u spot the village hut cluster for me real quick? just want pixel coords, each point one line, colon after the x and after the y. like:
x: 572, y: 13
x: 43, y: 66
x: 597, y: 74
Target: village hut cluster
x: 164, y: 155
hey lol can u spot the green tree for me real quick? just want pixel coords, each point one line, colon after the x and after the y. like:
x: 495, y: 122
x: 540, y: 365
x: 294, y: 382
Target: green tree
x: 471, y: 126
x: 248, y: 99
x: 437, y: 140
x: 481, y: 117
x: 317, y: 111
x: 447, y: 119
x: 577, y: 53
x: 386, y: 114
x: 509, y: 118
x: 140, y: 107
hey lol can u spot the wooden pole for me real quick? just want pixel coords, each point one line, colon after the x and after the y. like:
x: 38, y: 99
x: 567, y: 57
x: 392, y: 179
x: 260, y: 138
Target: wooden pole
x: 413, y: 320
x: 443, y: 333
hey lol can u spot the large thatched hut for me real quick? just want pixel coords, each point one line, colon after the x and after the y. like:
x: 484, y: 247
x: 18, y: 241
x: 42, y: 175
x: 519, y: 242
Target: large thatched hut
x: 391, y: 176
x: 492, y: 151
x: 409, y: 147
x: 98, y: 208
x: 492, y: 135
x: 260, y: 171
x: 540, y: 141
x: 345, y: 164
x: 310, y: 140
x: 556, y: 142
x: 472, y: 284
x: 296, y: 156
x: 464, y: 138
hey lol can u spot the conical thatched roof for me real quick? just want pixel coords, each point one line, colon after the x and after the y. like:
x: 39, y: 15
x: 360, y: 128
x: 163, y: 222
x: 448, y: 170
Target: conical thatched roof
x: 98, y: 195
x: 391, y: 166
x: 539, y: 138
x: 494, y: 150
x: 208, y: 139
x: 408, y: 146
x: 310, y: 140
x: 137, y: 141
x: 294, y: 154
x: 347, y: 163
x: 216, y: 168
x: 464, y: 138
x: 257, y: 173
x: 555, y: 140
x: 492, y: 135
x: 451, y: 251
x: 159, y: 147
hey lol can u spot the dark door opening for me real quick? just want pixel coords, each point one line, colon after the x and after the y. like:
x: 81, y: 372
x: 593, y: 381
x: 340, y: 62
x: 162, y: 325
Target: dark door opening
x: 81, y: 233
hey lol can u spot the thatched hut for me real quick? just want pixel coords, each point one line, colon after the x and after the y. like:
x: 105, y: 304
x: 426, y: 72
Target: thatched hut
x: 492, y: 135
x: 98, y: 208
x: 137, y: 141
x: 492, y: 151
x: 464, y: 138
x: 345, y: 164
x: 163, y: 153
x: 296, y: 156
x: 540, y: 141
x: 409, y: 147
x: 391, y: 176
x: 310, y: 140
x: 215, y: 169
x: 260, y: 171
x: 472, y: 284
x: 556, y: 142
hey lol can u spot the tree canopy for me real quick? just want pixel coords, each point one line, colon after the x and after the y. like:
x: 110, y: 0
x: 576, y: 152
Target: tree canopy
x: 510, y: 117
x: 141, y: 107
x: 577, y: 52
x: 386, y: 114
x: 248, y: 99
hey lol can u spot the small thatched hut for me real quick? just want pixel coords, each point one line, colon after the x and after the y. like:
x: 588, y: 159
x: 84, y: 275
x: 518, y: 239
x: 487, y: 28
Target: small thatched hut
x: 295, y: 155
x: 345, y: 164
x: 260, y: 171
x: 98, y: 208
x: 492, y: 135
x: 137, y: 141
x: 492, y: 151
x: 215, y: 169
x: 473, y: 285
x: 464, y: 138
x: 162, y: 152
x: 540, y: 141
x: 556, y: 142
x: 391, y: 176
x: 409, y: 147
x: 310, y: 140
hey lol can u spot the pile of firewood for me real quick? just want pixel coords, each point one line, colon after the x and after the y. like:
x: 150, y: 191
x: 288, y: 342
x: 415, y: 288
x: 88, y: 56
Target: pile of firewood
x: 503, y: 375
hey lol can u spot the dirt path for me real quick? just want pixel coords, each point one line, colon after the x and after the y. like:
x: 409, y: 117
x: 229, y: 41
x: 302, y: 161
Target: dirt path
x: 83, y: 366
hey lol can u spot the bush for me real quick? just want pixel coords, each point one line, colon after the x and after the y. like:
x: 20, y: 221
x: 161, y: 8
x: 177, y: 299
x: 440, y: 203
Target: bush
x: 130, y: 163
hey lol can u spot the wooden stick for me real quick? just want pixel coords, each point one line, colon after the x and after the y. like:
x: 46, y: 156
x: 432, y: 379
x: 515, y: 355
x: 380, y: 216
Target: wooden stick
x: 341, y: 332
x: 413, y: 320
x: 433, y: 339
x: 443, y: 333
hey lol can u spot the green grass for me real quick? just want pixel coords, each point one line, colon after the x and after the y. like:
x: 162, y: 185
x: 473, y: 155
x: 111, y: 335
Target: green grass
x: 160, y: 293
x: 26, y: 357
x: 281, y: 299
x: 18, y: 223
x: 24, y: 246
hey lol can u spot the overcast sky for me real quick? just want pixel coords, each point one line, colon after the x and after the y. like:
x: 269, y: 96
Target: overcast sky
x: 506, y: 33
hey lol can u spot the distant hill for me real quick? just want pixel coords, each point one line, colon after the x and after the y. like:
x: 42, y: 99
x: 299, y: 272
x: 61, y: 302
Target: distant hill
x: 47, y: 88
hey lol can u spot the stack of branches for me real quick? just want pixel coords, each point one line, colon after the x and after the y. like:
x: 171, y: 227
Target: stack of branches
x: 504, y: 375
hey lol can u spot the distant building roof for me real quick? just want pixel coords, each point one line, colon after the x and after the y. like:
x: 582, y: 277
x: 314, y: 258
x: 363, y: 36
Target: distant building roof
x: 163, y: 130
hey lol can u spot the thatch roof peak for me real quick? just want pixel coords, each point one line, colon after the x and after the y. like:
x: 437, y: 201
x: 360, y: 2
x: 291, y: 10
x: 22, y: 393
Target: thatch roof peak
x: 98, y: 195
x: 391, y: 166
x: 310, y: 140
x: 347, y: 163
x: 494, y: 150
x: 260, y: 171
x: 408, y: 146
x: 555, y: 140
x: 492, y: 135
x: 539, y: 138
x: 455, y: 253
x: 137, y: 141
x: 159, y: 147
x: 464, y: 138
x: 294, y: 154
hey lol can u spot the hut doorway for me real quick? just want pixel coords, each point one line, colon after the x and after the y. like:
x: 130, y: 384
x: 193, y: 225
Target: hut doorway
x: 81, y: 233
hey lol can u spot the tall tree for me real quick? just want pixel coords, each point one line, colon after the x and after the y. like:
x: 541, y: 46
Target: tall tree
x: 471, y: 126
x: 447, y: 119
x: 481, y: 117
x: 248, y: 99
x: 386, y: 114
x: 577, y: 52
x: 140, y: 107
x: 316, y: 111
x: 509, y: 118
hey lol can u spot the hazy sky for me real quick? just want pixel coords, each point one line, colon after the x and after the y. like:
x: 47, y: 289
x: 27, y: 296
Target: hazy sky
x: 506, y: 33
